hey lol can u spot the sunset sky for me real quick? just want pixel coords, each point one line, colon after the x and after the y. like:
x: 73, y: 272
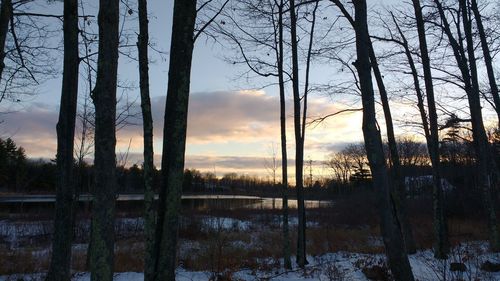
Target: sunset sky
x: 233, y: 124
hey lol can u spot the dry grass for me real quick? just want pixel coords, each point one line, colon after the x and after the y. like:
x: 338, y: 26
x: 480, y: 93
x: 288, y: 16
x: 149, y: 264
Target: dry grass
x: 357, y: 239
x: 24, y: 260
x: 220, y: 250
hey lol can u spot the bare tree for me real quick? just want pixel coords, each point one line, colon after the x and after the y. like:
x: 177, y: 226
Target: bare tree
x: 5, y: 11
x: 341, y: 165
x: 174, y: 131
x: 299, y: 121
x: 284, y: 157
x: 441, y: 244
x: 174, y: 138
x: 104, y: 98
x: 486, y: 56
x: 403, y: 42
x: 256, y: 43
x: 271, y: 164
x: 147, y: 121
x: 413, y: 152
x: 391, y: 231
x: 465, y: 61
x: 397, y: 186
x: 29, y: 51
x: 299, y: 148
x: 63, y: 224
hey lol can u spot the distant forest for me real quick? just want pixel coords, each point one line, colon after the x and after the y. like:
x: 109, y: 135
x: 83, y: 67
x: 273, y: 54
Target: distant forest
x: 349, y: 170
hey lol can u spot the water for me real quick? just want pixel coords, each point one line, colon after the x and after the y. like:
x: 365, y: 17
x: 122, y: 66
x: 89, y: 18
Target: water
x: 193, y: 202
x: 245, y: 202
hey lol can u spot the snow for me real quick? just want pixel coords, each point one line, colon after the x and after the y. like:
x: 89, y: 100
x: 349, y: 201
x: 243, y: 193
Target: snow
x: 339, y: 266
x: 221, y: 223
x: 331, y: 266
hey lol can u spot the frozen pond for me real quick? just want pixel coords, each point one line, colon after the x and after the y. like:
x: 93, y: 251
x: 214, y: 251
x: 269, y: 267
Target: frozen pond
x: 196, y: 202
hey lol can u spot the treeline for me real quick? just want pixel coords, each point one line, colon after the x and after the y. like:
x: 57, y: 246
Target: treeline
x: 349, y: 166
x: 349, y: 170
x: 20, y: 174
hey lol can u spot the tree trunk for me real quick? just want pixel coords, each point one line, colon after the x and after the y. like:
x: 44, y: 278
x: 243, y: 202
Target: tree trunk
x: 416, y: 83
x: 104, y: 98
x: 397, y: 186
x: 487, y: 163
x: 481, y: 145
x: 488, y: 61
x: 441, y: 244
x: 174, y: 138
x: 5, y: 11
x: 60, y: 266
x: 284, y: 158
x: 299, y: 144
x: 147, y: 126
x: 391, y: 232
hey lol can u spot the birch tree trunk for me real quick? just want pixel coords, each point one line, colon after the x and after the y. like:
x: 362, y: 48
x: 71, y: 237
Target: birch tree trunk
x: 60, y: 266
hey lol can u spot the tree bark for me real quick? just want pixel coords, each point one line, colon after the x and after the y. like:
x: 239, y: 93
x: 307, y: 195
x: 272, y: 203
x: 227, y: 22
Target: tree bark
x: 391, y: 232
x: 397, y: 186
x: 488, y: 61
x: 441, y: 243
x: 416, y: 83
x: 174, y: 138
x: 485, y: 164
x: 299, y: 144
x: 284, y: 158
x: 104, y: 98
x: 5, y: 12
x: 60, y: 266
x: 488, y: 165
x: 147, y: 126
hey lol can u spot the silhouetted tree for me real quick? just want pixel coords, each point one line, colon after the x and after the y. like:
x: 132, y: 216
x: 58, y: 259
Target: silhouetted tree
x: 174, y: 139
x: 5, y: 11
x: 104, y: 98
x: 147, y: 126
x: 466, y: 63
x: 63, y: 223
x: 441, y: 243
x: 391, y: 231
x: 488, y: 61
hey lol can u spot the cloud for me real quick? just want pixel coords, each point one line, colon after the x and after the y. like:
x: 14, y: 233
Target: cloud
x: 223, y: 127
x: 246, y: 116
x: 225, y: 115
x: 220, y: 164
x: 34, y: 128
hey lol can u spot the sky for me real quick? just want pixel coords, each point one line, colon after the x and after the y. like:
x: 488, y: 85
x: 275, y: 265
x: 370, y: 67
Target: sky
x: 233, y: 124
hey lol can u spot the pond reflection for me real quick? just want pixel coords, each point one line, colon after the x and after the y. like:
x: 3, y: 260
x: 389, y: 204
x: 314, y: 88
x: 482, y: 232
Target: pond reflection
x: 190, y: 202
x: 245, y: 202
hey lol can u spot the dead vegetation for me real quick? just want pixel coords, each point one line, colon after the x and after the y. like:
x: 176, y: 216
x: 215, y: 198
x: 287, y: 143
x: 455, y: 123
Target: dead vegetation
x: 223, y: 241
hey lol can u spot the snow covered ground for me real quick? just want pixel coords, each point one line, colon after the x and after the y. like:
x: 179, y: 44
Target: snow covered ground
x: 337, y: 266
x: 340, y: 266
